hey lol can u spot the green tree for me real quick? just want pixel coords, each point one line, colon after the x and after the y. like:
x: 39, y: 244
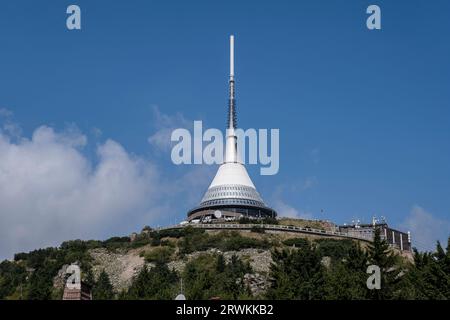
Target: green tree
x: 209, y: 276
x: 157, y: 283
x: 346, y: 279
x: 429, y: 277
x: 298, y: 274
x: 380, y: 254
x: 103, y: 289
x: 159, y: 255
x: 12, y: 277
x: 220, y: 263
x: 88, y: 277
x: 39, y: 287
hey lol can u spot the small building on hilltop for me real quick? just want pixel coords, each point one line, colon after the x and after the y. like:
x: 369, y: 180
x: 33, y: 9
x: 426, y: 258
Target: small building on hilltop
x: 398, y: 239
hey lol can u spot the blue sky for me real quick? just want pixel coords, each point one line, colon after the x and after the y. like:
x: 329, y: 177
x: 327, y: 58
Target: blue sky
x: 363, y: 115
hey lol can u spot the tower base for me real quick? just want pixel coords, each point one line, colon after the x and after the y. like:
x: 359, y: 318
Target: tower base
x: 227, y: 212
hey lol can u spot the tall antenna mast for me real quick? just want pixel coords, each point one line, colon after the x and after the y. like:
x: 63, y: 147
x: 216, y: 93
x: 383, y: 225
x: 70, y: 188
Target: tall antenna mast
x: 231, y: 101
x: 231, y: 174
x: 231, y: 142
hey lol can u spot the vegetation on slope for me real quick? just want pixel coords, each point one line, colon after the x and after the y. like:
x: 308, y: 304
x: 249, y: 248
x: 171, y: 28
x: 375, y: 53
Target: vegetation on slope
x: 302, y: 269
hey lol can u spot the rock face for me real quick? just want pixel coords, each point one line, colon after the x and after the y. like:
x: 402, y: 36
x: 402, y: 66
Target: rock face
x: 326, y: 262
x: 257, y: 283
x: 259, y: 260
x: 59, y: 280
x: 120, y: 267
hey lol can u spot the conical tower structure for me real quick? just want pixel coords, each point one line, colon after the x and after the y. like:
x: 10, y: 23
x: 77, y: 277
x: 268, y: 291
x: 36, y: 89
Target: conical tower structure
x: 232, y: 193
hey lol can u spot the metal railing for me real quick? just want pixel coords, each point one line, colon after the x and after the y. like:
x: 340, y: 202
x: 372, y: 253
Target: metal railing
x: 273, y: 227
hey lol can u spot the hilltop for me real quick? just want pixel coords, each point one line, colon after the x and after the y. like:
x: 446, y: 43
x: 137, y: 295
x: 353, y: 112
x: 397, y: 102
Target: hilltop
x: 237, y: 264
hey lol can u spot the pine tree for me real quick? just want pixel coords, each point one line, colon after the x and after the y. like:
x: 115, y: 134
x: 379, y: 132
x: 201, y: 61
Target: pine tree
x: 103, y: 289
x: 157, y: 283
x: 297, y: 275
x: 137, y: 289
x: 220, y: 263
x: 380, y: 254
x: 428, y: 277
x: 39, y: 288
x: 88, y: 278
x: 346, y: 279
x: 446, y: 268
x: 210, y: 276
x: 441, y: 267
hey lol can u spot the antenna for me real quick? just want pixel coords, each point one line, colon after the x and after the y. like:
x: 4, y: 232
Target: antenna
x: 374, y: 221
x: 231, y: 101
x: 231, y: 57
x: 231, y: 154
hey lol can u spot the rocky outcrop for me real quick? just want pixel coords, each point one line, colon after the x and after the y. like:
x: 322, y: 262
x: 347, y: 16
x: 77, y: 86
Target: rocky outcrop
x: 259, y: 260
x: 60, y: 279
x: 257, y: 283
x: 120, y: 266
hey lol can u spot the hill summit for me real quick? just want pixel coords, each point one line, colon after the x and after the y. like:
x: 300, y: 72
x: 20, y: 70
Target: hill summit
x: 257, y: 260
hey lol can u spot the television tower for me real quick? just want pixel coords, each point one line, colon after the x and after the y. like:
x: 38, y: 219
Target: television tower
x: 232, y: 193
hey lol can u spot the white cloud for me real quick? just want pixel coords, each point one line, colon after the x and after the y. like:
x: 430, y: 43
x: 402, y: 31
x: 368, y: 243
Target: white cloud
x: 315, y: 155
x: 8, y: 125
x: 5, y: 112
x: 298, y: 186
x: 165, y: 124
x: 285, y: 210
x: 50, y: 191
x: 96, y: 132
x: 282, y: 207
x: 309, y: 183
x: 426, y: 229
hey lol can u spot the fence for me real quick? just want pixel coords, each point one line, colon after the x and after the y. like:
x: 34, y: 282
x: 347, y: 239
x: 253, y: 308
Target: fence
x: 271, y: 227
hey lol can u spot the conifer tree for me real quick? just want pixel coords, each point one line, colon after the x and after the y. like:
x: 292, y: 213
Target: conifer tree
x: 381, y: 255
x: 103, y: 289
x: 428, y: 277
x: 88, y: 278
x: 157, y: 283
x: 346, y: 279
x: 297, y: 275
x: 220, y: 263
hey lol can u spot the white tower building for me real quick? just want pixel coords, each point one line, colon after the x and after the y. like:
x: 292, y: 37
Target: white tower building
x: 232, y: 192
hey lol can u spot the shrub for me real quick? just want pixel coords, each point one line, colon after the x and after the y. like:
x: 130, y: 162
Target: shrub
x: 224, y: 241
x: 103, y: 289
x: 266, y: 220
x: 297, y: 242
x: 158, y: 283
x: 159, y: 255
x: 167, y: 243
x: 237, y: 242
x: 257, y: 229
x: 117, y: 243
x: 336, y: 249
x: 209, y: 276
